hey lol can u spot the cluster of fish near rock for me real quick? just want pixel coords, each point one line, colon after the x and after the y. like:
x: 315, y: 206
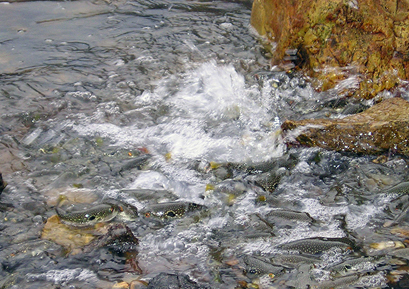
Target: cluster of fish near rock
x: 297, y: 257
x: 359, y: 263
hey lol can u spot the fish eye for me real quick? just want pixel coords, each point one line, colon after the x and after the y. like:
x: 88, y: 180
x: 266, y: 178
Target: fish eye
x: 170, y: 214
x: 91, y: 218
x: 147, y: 214
x: 253, y: 271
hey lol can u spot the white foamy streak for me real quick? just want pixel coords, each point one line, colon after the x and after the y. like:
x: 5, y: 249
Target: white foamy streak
x: 66, y: 275
x: 208, y: 98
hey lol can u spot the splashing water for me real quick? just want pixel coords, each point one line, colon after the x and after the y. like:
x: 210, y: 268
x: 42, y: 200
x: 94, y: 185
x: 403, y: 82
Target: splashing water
x: 212, y: 115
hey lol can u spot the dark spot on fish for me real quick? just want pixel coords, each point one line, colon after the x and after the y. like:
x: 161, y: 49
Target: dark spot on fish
x: 170, y: 214
x: 92, y: 218
x: 194, y: 206
x: 254, y: 271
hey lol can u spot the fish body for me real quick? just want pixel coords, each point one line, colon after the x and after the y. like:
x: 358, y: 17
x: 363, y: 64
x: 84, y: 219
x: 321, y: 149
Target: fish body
x: 269, y: 181
x: 125, y: 211
x: 257, y: 267
x: 171, y: 209
x: 355, y: 264
x: 235, y: 188
x: 294, y: 260
x: 338, y: 283
x: 401, y: 253
x: 401, y: 188
x: 317, y: 245
x: 88, y: 217
x: 149, y: 195
x: 134, y: 163
x: 290, y: 215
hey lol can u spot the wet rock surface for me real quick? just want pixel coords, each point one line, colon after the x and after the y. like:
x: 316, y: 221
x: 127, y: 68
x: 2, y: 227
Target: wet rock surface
x: 334, y: 40
x: 66, y: 236
x: 381, y: 128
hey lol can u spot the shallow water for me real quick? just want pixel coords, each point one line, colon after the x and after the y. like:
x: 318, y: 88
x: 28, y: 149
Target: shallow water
x: 87, y: 87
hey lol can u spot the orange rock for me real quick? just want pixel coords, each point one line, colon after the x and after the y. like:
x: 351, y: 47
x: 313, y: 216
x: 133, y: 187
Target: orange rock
x: 381, y: 128
x: 367, y: 37
x: 69, y: 237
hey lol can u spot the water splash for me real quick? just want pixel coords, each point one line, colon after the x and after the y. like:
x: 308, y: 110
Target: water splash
x: 211, y: 115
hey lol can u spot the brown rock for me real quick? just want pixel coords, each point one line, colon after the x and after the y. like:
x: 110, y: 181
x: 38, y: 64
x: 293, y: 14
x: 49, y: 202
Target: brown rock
x: 69, y: 237
x: 337, y: 38
x: 383, y: 127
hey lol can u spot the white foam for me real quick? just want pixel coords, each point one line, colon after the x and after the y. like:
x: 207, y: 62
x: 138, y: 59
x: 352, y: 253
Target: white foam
x: 66, y: 275
x: 213, y: 115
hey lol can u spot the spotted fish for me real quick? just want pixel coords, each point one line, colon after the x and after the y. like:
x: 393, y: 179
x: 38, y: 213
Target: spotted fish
x: 295, y: 260
x: 170, y: 209
x: 317, y: 245
x: 90, y: 216
x: 257, y: 267
x: 353, y: 265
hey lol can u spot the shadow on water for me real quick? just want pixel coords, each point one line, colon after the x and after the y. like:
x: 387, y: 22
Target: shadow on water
x: 135, y: 103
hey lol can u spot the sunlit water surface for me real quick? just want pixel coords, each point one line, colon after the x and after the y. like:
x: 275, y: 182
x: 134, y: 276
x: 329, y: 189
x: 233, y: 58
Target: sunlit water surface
x: 87, y: 86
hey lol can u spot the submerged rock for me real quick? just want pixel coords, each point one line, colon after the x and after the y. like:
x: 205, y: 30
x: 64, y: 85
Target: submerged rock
x: 67, y: 236
x: 69, y: 195
x: 382, y: 128
x: 332, y: 40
